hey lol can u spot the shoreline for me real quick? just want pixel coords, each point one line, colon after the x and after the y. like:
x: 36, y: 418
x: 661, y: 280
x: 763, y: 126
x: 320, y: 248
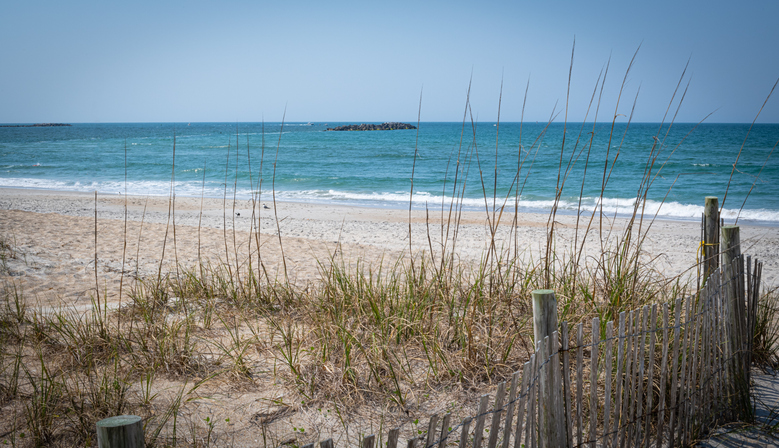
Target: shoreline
x: 388, y: 207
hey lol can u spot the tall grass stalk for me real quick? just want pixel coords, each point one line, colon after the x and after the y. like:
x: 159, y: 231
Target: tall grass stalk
x: 170, y: 211
x: 224, y: 208
x: 97, y: 281
x: 124, y: 236
x: 173, y: 203
x: 273, y: 192
x: 232, y: 216
x: 741, y: 149
x: 413, y: 169
x: 757, y: 177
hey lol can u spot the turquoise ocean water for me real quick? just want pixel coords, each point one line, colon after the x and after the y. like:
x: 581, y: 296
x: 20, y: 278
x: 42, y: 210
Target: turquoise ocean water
x: 375, y: 168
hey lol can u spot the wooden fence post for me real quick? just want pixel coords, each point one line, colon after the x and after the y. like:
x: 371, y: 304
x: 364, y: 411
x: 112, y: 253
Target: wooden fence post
x: 545, y: 326
x: 122, y: 431
x: 544, y: 313
x: 731, y: 257
x: 731, y: 251
x: 731, y: 244
x: 711, y: 239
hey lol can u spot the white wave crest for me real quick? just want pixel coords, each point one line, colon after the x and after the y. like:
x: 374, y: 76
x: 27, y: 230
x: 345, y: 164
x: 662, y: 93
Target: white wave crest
x: 398, y: 199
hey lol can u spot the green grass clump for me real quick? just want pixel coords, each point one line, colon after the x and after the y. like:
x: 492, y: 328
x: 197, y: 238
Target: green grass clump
x: 7, y: 252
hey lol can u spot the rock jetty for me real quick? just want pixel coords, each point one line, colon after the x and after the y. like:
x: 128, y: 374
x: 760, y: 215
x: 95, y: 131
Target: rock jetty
x: 37, y: 125
x: 373, y: 127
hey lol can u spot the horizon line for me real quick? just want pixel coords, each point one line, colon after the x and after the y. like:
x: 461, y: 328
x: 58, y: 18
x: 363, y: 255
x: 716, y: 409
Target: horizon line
x: 322, y: 122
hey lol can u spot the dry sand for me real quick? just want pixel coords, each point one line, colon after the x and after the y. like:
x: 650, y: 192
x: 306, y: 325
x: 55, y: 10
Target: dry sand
x: 53, y: 234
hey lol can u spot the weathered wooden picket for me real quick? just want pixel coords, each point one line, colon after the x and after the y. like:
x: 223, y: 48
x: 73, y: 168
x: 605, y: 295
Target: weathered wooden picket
x: 657, y: 376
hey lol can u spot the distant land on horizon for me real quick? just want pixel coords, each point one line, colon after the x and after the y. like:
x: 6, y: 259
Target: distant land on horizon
x: 387, y: 126
x: 36, y: 125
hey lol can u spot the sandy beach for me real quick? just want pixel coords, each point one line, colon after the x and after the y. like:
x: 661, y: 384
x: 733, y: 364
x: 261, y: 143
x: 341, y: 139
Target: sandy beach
x: 55, y: 238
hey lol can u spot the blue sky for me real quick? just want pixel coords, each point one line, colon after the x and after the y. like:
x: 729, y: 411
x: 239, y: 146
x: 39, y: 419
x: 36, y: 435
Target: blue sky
x: 97, y: 61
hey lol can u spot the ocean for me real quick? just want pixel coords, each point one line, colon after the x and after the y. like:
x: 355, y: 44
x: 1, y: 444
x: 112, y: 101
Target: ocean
x: 483, y: 165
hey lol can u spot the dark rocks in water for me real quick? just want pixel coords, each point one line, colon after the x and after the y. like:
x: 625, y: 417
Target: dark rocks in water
x: 391, y: 126
x: 37, y: 125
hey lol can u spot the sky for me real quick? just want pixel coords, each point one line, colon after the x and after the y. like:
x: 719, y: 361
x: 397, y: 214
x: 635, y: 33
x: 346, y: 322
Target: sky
x: 339, y: 61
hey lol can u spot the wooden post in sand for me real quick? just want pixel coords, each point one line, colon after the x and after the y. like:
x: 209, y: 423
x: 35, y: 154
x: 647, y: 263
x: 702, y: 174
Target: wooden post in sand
x: 544, y: 313
x: 123, y: 431
x: 731, y: 244
x: 734, y: 294
x: 551, y: 431
x: 710, y: 250
x: 731, y: 251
